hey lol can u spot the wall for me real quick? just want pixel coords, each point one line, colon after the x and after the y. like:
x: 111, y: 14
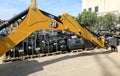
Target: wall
x: 103, y: 5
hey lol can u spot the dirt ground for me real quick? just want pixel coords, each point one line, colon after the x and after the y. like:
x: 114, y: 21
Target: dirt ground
x: 96, y: 62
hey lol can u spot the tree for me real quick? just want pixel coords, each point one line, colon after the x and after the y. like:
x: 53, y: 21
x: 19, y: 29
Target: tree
x: 100, y: 23
x: 107, y: 21
x: 119, y: 19
x: 87, y: 19
x: 110, y: 20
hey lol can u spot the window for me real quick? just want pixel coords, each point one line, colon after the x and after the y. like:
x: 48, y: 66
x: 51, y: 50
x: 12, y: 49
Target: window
x: 96, y: 9
x: 84, y: 9
x: 90, y: 9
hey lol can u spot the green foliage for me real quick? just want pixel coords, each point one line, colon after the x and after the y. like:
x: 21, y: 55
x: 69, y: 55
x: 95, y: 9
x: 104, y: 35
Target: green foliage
x: 99, y: 22
x: 110, y: 20
x: 87, y: 19
x: 119, y: 19
x: 94, y: 22
x: 107, y: 21
x: 78, y: 19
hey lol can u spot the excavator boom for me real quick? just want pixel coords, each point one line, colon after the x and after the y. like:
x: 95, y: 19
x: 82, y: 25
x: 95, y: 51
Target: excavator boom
x: 35, y: 20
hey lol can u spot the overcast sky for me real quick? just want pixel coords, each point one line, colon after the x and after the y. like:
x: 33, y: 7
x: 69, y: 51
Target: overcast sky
x: 9, y: 8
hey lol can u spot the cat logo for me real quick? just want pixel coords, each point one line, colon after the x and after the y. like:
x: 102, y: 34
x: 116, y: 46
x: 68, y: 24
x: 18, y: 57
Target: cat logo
x: 53, y: 24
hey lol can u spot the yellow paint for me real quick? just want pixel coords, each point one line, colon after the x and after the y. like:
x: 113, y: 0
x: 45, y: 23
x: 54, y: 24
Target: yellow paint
x: 8, y: 45
x: 35, y: 20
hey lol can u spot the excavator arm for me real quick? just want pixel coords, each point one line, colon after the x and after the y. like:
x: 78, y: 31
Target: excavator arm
x: 81, y: 31
x: 37, y: 20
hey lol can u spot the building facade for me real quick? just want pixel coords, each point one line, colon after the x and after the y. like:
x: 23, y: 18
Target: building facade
x: 101, y: 6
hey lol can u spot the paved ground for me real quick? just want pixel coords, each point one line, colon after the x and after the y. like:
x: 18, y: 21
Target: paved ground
x: 90, y: 63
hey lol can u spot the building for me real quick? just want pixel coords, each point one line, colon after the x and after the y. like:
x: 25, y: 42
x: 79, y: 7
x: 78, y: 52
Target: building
x: 101, y: 6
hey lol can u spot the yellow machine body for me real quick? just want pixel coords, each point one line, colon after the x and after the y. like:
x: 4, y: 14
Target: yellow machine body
x: 36, y: 20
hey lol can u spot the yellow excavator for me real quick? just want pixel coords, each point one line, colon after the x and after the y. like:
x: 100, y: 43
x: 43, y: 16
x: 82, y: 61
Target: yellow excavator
x: 34, y: 19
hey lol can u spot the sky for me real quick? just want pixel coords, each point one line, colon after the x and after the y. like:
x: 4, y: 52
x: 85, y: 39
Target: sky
x: 9, y: 8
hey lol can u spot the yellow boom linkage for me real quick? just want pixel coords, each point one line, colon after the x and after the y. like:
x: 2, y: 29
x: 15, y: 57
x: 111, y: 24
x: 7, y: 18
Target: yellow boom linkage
x: 36, y: 20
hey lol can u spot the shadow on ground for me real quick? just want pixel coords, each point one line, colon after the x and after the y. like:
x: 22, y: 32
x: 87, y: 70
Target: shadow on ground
x: 24, y: 68
x: 107, y: 70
